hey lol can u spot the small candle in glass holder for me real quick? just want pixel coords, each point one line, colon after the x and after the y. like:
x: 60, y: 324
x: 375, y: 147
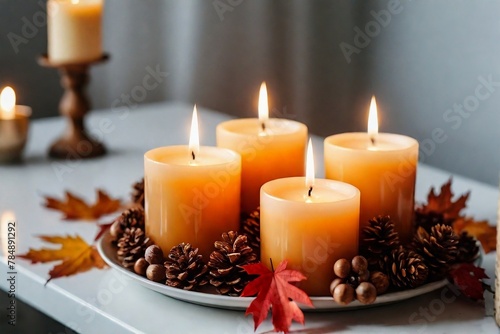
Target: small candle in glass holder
x: 14, y: 124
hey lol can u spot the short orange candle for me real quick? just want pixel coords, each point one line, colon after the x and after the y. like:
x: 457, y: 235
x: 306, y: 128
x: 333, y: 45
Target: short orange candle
x: 310, y: 222
x: 192, y: 194
x: 382, y: 166
x: 270, y: 149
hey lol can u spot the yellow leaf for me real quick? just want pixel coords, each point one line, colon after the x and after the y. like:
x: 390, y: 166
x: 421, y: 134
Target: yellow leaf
x: 76, y: 255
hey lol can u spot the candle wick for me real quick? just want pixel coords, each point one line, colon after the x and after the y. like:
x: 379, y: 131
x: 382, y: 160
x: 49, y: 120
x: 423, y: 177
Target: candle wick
x: 192, y: 154
x: 272, y: 267
x: 263, y: 125
x: 372, y: 139
x: 310, y: 191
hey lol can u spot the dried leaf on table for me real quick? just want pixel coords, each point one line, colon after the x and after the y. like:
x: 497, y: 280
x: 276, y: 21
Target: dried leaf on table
x: 480, y: 230
x: 442, y: 203
x: 75, y: 208
x: 76, y: 255
x: 469, y: 280
x: 273, y: 289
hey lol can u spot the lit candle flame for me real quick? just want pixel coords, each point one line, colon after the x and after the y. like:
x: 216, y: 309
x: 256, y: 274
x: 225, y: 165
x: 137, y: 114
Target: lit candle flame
x: 7, y: 103
x: 7, y: 217
x: 373, y: 121
x: 309, y: 168
x: 263, y: 106
x: 75, y: 2
x: 194, y: 138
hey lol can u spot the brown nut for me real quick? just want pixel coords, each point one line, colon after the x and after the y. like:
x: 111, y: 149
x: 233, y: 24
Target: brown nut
x: 342, y: 268
x: 156, y: 272
x: 343, y: 294
x: 334, y: 284
x: 366, y: 293
x: 116, y: 230
x: 154, y: 255
x: 140, y: 266
x: 359, y: 264
x: 380, y: 281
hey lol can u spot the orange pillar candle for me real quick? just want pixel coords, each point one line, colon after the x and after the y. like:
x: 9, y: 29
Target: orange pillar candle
x: 382, y: 166
x: 192, y: 194
x: 310, y: 222
x: 270, y: 149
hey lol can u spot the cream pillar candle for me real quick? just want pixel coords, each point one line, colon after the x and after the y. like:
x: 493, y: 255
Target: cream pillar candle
x: 270, y: 149
x: 383, y: 167
x: 312, y: 224
x: 192, y: 194
x: 74, y: 30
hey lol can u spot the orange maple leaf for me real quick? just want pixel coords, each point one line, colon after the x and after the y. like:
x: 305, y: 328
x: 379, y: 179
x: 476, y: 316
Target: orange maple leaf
x: 273, y: 289
x: 480, y: 230
x: 75, y: 208
x: 443, y: 203
x: 76, y: 255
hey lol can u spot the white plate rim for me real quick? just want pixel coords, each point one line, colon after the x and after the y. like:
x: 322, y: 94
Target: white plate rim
x: 326, y: 303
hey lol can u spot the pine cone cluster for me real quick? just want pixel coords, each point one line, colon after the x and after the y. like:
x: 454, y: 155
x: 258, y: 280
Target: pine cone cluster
x: 250, y: 226
x: 129, y: 218
x: 439, y: 248
x: 225, y: 264
x: 185, y: 268
x: 131, y: 246
x: 137, y: 194
x: 406, y: 268
x: 379, y: 238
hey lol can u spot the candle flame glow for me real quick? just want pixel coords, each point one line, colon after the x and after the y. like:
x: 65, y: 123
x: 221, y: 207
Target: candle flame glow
x: 7, y: 103
x: 263, y: 105
x: 7, y: 217
x: 373, y: 120
x: 75, y: 2
x: 194, y: 137
x: 310, y: 167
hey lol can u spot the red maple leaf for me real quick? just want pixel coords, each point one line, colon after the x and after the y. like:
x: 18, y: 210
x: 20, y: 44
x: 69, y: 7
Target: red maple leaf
x: 468, y: 278
x: 273, y: 289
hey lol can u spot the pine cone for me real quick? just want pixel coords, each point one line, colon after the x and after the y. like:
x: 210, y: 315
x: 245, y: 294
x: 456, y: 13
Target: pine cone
x: 185, y: 268
x: 250, y: 226
x: 138, y: 192
x: 468, y: 249
x: 405, y: 268
x: 429, y: 219
x: 132, y: 246
x: 438, y: 248
x: 133, y: 217
x: 379, y: 239
x: 226, y: 262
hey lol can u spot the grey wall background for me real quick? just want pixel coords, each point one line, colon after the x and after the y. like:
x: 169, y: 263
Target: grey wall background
x: 424, y: 59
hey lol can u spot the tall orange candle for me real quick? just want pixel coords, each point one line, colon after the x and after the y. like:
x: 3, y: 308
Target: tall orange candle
x: 192, y: 194
x: 382, y: 166
x: 310, y: 222
x: 270, y: 149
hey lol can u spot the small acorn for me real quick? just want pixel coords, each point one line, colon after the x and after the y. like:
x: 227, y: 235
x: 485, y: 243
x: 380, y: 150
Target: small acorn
x: 116, y: 230
x: 140, y: 266
x: 154, y: 255
x: 366, y: 293
x: 343, y: 294
x: 156, y: 272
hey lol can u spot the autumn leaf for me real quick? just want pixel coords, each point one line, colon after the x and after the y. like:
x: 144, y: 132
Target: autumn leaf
x: 480, y: 230
x: 75, y: 208
x: 75, y: 254
x: 273, y: 289
x: 469, y: 280
x: 442, y: 202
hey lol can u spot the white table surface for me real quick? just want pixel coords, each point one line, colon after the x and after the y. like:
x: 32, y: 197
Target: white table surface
x: 103, y: 301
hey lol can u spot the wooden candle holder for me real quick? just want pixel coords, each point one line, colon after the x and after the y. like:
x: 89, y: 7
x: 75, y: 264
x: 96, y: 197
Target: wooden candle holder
x: 75, y: 143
